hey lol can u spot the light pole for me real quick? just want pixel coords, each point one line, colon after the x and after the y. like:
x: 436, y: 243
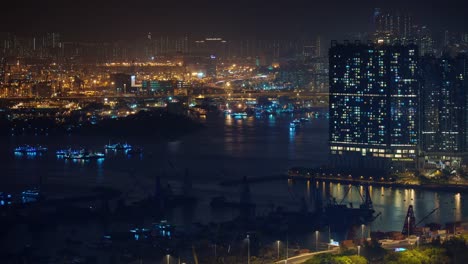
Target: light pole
x: 358, y: 250
x: 278, y: 244
x: 287, y: 249
x: 316, y: 240
x: 215, y: 251
x: 409, y: 219
x: 362, y: 233
x: 248, y: 249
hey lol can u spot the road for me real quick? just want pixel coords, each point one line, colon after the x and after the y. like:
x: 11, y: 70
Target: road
x: 389, y: 245
x: 303, y: 257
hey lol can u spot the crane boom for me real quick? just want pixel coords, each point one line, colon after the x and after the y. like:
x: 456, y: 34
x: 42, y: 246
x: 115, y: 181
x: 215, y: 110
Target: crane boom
x: 429, y: 214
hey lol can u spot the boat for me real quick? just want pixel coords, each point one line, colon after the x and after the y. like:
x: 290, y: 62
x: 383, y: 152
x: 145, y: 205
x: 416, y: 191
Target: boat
x: 296, y: 123
x: 5, y: 199
x: 239, y: 114
x: 30, y: 196
x: 26, y: 149
x: 134, y: 151
x: 94, y: 155
x: 341, y: 214
x: 63, y: 152
x: 304, y: 119
x: 83, y: 155
x: 118, y: 146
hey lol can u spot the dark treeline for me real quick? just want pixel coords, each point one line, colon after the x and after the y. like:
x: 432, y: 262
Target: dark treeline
x: 155, y: 124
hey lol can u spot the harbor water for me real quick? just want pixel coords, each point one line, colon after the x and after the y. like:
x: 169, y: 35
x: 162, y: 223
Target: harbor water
x: 226, y: 148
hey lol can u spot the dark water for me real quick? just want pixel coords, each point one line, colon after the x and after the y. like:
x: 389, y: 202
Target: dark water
x: 226, y: 149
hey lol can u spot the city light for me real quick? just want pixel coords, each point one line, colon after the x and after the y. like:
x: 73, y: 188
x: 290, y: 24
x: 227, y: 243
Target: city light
x: 223, y: 133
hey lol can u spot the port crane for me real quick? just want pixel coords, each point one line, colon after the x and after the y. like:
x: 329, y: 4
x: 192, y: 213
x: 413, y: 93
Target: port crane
x: 366, y: 198
x: 410, y: 224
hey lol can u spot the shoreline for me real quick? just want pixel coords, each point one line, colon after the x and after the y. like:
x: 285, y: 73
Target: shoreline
x: 432, y: 187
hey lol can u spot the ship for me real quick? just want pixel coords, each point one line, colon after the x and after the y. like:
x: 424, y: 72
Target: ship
x: 64, y: 152
x: 239, y: 114
x: 83, y: 155
x: 342, y: 215
x: 27, y: 149
x: 118, y: 146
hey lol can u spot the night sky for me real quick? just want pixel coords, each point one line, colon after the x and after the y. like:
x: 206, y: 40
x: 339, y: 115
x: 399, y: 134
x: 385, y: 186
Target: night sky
x: 125, y: 19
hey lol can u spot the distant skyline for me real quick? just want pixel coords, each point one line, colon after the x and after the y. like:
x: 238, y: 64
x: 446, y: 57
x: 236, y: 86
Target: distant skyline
x: 112, y: 20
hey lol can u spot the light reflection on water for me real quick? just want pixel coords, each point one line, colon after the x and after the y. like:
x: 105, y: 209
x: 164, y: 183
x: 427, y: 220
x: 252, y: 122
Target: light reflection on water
x: 393, y: 203
x: 228, y: 148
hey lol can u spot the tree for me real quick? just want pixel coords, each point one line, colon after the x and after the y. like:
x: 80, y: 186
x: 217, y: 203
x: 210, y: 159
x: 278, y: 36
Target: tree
x: 320, y: 259
x: 373, y: 250
x: 456, y: 249
x: 357, y: 259
x: 336, y: 259
x: 415, y: 256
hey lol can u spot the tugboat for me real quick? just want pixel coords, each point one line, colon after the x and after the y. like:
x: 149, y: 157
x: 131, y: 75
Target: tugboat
x: 26, y: 149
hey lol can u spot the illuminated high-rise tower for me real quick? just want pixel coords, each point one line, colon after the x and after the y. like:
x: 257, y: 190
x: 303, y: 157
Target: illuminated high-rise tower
x: 391, y: 26
x: 443, y: 106
x: 373, y: 105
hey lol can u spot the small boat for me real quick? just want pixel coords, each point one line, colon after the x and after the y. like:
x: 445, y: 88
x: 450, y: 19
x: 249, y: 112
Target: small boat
x: 5, y: 199
x: 61, y: 152
x: 118, y: 146
x: 295, y: 124
x: 304, y: 119
x: 26, y: 149
x: 32, y: 195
